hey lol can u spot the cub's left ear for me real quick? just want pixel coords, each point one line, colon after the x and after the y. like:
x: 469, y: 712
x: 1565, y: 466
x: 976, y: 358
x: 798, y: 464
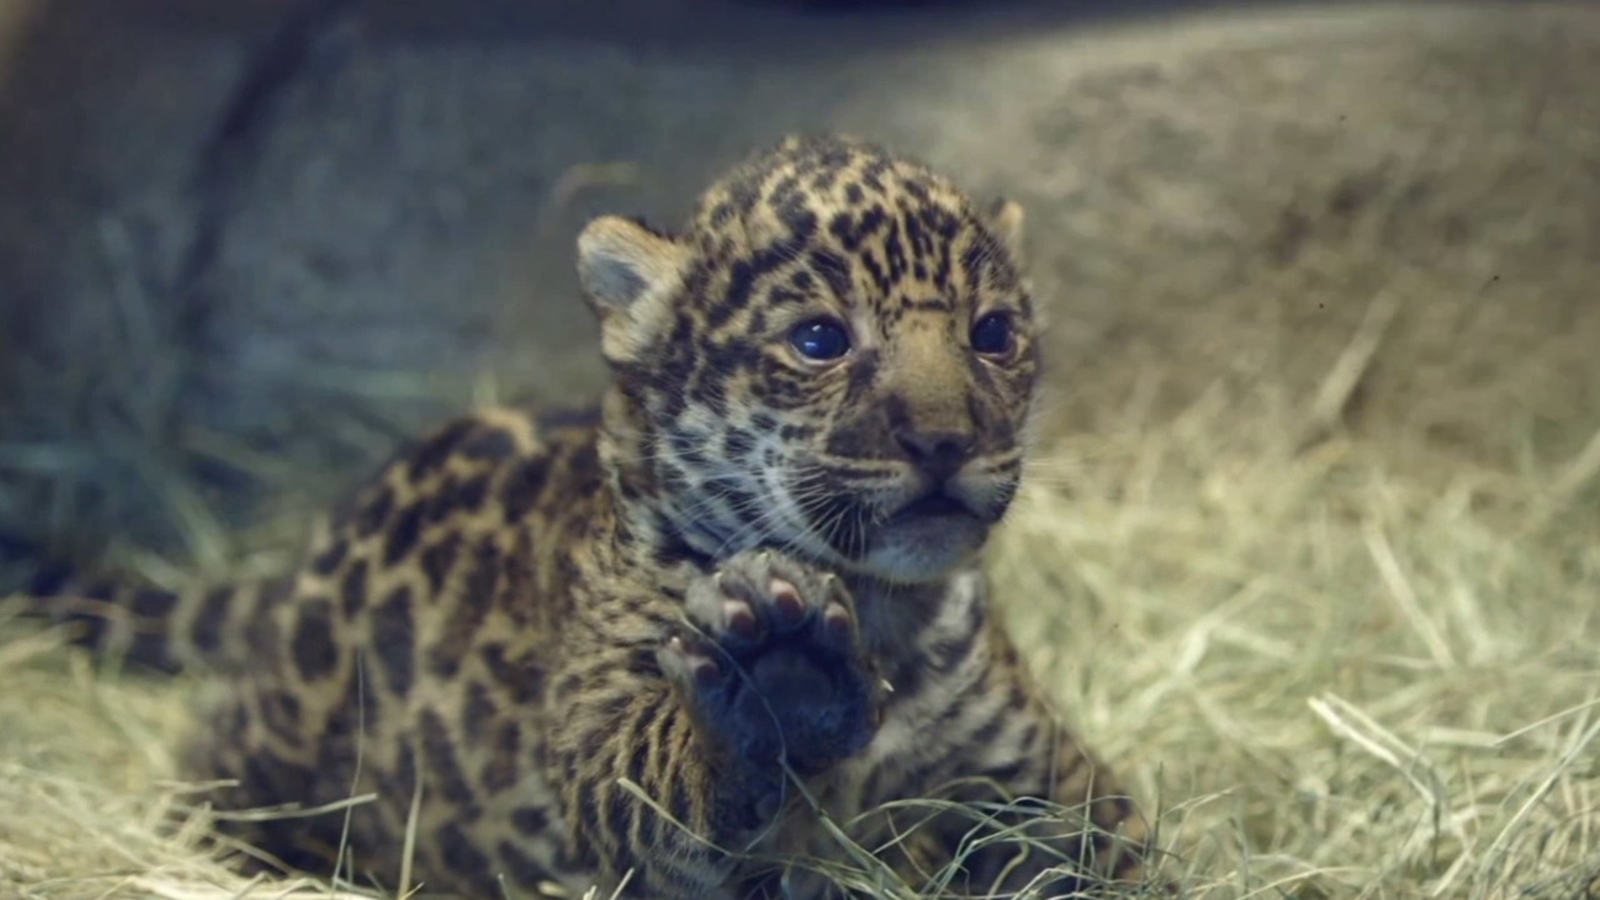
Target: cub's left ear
x: 630, y: 276
x: 1004, y: 218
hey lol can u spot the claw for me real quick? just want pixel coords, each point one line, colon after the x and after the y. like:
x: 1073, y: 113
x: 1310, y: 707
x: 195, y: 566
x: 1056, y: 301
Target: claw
x: 700, y: 668
x: 786, y: 597
x: 836, y: 625
x: 705, y: 670
x: 741, y: 619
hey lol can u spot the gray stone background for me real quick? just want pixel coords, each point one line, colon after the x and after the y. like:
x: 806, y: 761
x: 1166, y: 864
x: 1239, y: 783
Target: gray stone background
x: 239, y: 260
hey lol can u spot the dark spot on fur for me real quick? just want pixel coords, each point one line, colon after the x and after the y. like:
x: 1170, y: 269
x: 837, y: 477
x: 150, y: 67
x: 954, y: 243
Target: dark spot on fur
x: 785, y: 191
x: 741, y: 278
x: 894, y: 253
x: 852, y: 230
x: 522, y: 488
x: 778, y: 296
x: 459, y: 854
x: 477, y: 712
x: 1016, y: 697
x: 521, y: 676
x: 356, y: 707
x: 619, y: 811
x: 437, y: 506
x: 983, y: 732
x: 713, y: 392
x: 375, y: 511
x: 261, y: 628
x: 500, y: 773
x: 477, y: 594
x: 394, y: 639
x: 908, y: 679
x: 489, y: 444
x: 281, y: 711
x: 439, y: 558
x: 642, y: 662
x: 1029, y: 736
x: 945, y: 655
x: 863, y: 373
x: 403, y: 779
x: 470, y: 496
x: 272, y: 776
x: 744, y: 192
x: 315, y: 653
x: 835, y: 272
x: 530, y: 820
x: 680, y: 805
x: 930, y: 304
x: 403, y: 534
x: 686, y: 445
x: 880, y: 280
x: 524, y: 871
x: 208, y: 624
x: 353, y: 589
x: 329, y: 560
x: 872, y: 175
x: 640, y: 739
x: 439, y: 757
x: 589, y: 819
x: 1008, y: 773
x: 433, y: 453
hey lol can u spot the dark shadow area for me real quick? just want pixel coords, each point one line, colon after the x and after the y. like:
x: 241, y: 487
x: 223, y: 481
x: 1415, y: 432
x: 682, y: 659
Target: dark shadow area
x: 766, y: 26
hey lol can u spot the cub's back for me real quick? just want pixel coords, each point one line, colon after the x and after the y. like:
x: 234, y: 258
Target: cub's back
x: 414, y: 641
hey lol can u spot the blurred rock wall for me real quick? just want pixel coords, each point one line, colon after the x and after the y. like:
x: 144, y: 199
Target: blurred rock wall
x: 239, y: 257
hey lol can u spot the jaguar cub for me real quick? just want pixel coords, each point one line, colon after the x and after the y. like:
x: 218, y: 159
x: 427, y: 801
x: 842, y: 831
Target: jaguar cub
x: 682, y: 642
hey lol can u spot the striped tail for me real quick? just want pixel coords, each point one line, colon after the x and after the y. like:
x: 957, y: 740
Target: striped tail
x: 153, y: 628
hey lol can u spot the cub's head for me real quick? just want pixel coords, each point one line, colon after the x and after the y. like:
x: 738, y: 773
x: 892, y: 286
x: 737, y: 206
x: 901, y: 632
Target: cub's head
x: 836, y: 357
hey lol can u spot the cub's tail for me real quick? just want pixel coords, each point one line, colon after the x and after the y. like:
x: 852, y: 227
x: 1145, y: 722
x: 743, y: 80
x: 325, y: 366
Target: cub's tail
x: 207, y: 627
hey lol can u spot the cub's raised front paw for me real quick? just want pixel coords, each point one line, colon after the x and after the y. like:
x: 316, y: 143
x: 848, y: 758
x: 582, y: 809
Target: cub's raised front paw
x: 771, y: 664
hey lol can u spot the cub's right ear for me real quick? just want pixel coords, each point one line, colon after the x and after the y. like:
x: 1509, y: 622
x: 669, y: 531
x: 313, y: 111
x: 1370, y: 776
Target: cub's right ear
x: 629, y: 275
x: 1005, y: 218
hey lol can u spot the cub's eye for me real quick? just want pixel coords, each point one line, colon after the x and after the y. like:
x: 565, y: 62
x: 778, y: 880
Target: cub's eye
x: 820, y: 340
x: 993, y: 334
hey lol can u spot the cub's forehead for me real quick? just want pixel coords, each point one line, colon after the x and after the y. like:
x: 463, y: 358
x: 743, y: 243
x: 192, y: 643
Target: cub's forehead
x: 854, y: 220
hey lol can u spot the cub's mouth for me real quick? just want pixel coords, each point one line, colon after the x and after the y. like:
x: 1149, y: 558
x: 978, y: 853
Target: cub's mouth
x: 934, y: 504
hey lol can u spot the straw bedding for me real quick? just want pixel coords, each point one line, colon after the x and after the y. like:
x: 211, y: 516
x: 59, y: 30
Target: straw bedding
x: 1312, y: 543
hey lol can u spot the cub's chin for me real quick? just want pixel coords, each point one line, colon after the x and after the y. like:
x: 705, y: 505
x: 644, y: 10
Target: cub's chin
x: 924, y: 542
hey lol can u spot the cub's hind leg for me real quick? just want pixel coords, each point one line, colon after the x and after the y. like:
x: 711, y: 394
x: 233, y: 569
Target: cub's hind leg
x: 285, y: 755
x: 1039, y: 810
x: 253, y: 781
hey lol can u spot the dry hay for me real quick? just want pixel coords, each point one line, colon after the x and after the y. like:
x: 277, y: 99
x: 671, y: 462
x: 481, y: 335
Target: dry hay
x: 1337, y: 679
x: 1314, y: 560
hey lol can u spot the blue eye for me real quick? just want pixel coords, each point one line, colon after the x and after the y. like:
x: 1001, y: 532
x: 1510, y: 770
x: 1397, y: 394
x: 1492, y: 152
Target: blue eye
x: 993, y: 335
x: 820, y: 340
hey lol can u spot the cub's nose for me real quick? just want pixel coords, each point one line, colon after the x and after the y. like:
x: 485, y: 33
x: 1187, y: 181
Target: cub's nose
x: 939, y: 454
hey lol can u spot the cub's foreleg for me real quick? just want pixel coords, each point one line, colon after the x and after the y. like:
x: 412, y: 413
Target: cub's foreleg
x: 768, y: 678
